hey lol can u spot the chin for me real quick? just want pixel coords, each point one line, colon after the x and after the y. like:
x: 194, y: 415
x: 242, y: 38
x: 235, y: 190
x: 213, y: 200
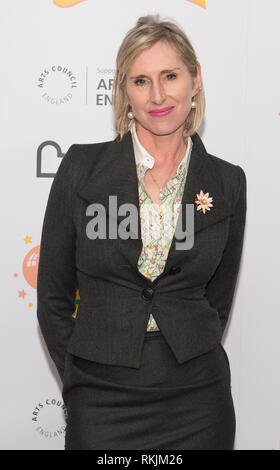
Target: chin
x: 165, y: 130
x: 161, y: 129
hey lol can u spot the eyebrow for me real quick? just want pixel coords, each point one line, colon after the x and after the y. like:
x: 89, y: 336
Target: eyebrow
x: 162, y: 72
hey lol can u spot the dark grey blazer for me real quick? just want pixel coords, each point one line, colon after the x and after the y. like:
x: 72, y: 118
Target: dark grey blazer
x: 190, y: 300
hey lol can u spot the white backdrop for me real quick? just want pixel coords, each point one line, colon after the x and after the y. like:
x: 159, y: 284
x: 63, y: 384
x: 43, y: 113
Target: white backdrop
x: 56, y: 77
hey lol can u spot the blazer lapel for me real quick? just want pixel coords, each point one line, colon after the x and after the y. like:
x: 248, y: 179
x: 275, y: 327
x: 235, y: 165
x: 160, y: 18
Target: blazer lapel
x: 116, y: 175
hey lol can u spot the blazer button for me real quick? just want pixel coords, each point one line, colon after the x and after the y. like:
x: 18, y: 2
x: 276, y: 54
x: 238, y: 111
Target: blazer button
x: 174, y: 270
x: 147, y: 293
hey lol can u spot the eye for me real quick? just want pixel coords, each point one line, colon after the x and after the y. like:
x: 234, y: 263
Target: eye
x: 171, y: 76
x: 140, y: 81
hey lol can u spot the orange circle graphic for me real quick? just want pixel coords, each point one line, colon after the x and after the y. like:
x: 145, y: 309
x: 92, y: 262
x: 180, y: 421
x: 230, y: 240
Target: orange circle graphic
x: 30, y: 266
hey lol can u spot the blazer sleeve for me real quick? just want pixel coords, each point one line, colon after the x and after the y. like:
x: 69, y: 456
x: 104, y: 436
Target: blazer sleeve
x: 57, y: 282
x: 221, y: 287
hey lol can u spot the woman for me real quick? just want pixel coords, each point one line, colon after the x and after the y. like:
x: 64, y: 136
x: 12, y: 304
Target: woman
x: 142, y: 363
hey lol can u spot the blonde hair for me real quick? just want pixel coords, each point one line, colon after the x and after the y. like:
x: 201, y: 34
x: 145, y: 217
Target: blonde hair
x: 149, y: 30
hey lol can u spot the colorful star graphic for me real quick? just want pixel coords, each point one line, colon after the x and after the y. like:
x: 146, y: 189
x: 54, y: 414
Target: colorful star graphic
x: 22, y: 293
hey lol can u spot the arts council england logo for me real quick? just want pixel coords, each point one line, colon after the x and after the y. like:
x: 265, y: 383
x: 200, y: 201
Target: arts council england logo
x: 49, y: 418
x: 57, y: 84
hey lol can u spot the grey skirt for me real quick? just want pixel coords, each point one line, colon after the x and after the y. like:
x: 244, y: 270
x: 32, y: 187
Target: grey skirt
x: 161, y: 405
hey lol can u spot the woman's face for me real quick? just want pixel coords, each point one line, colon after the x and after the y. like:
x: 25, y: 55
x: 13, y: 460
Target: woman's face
x: 160, y: 88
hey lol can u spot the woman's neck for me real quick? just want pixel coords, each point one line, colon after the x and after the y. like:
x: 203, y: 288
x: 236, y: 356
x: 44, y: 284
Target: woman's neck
x: 166, y: 149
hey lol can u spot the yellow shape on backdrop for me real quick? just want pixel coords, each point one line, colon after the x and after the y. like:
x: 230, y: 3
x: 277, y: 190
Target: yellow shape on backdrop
x: 72, y: 3
x: 201, y: 3
x: 67, y: 3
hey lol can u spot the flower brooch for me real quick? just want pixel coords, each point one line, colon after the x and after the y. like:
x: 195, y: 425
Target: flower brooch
x: 203, y: 202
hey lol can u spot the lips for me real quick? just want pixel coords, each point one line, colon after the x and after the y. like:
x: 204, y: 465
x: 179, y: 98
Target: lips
x: 161, y: 112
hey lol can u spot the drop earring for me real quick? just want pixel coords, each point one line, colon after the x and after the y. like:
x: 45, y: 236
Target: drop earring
x: 194, y: 103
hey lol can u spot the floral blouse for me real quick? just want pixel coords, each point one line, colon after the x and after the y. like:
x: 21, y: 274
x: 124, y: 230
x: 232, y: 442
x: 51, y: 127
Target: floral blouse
x: 158, y: 223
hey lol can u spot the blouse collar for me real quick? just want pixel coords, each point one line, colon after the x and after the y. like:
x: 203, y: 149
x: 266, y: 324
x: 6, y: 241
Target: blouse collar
x: 143, y: 157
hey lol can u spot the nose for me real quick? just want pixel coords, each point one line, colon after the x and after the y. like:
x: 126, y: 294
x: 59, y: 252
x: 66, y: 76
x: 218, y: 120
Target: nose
x: 157, y: 93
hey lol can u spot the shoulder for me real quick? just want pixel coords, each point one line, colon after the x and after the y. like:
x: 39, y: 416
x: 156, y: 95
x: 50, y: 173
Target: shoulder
x: 80, y: 160
x: 232, y: 179
x: 229, y: 172
x: 226, y: 168
x: 86, y: 153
